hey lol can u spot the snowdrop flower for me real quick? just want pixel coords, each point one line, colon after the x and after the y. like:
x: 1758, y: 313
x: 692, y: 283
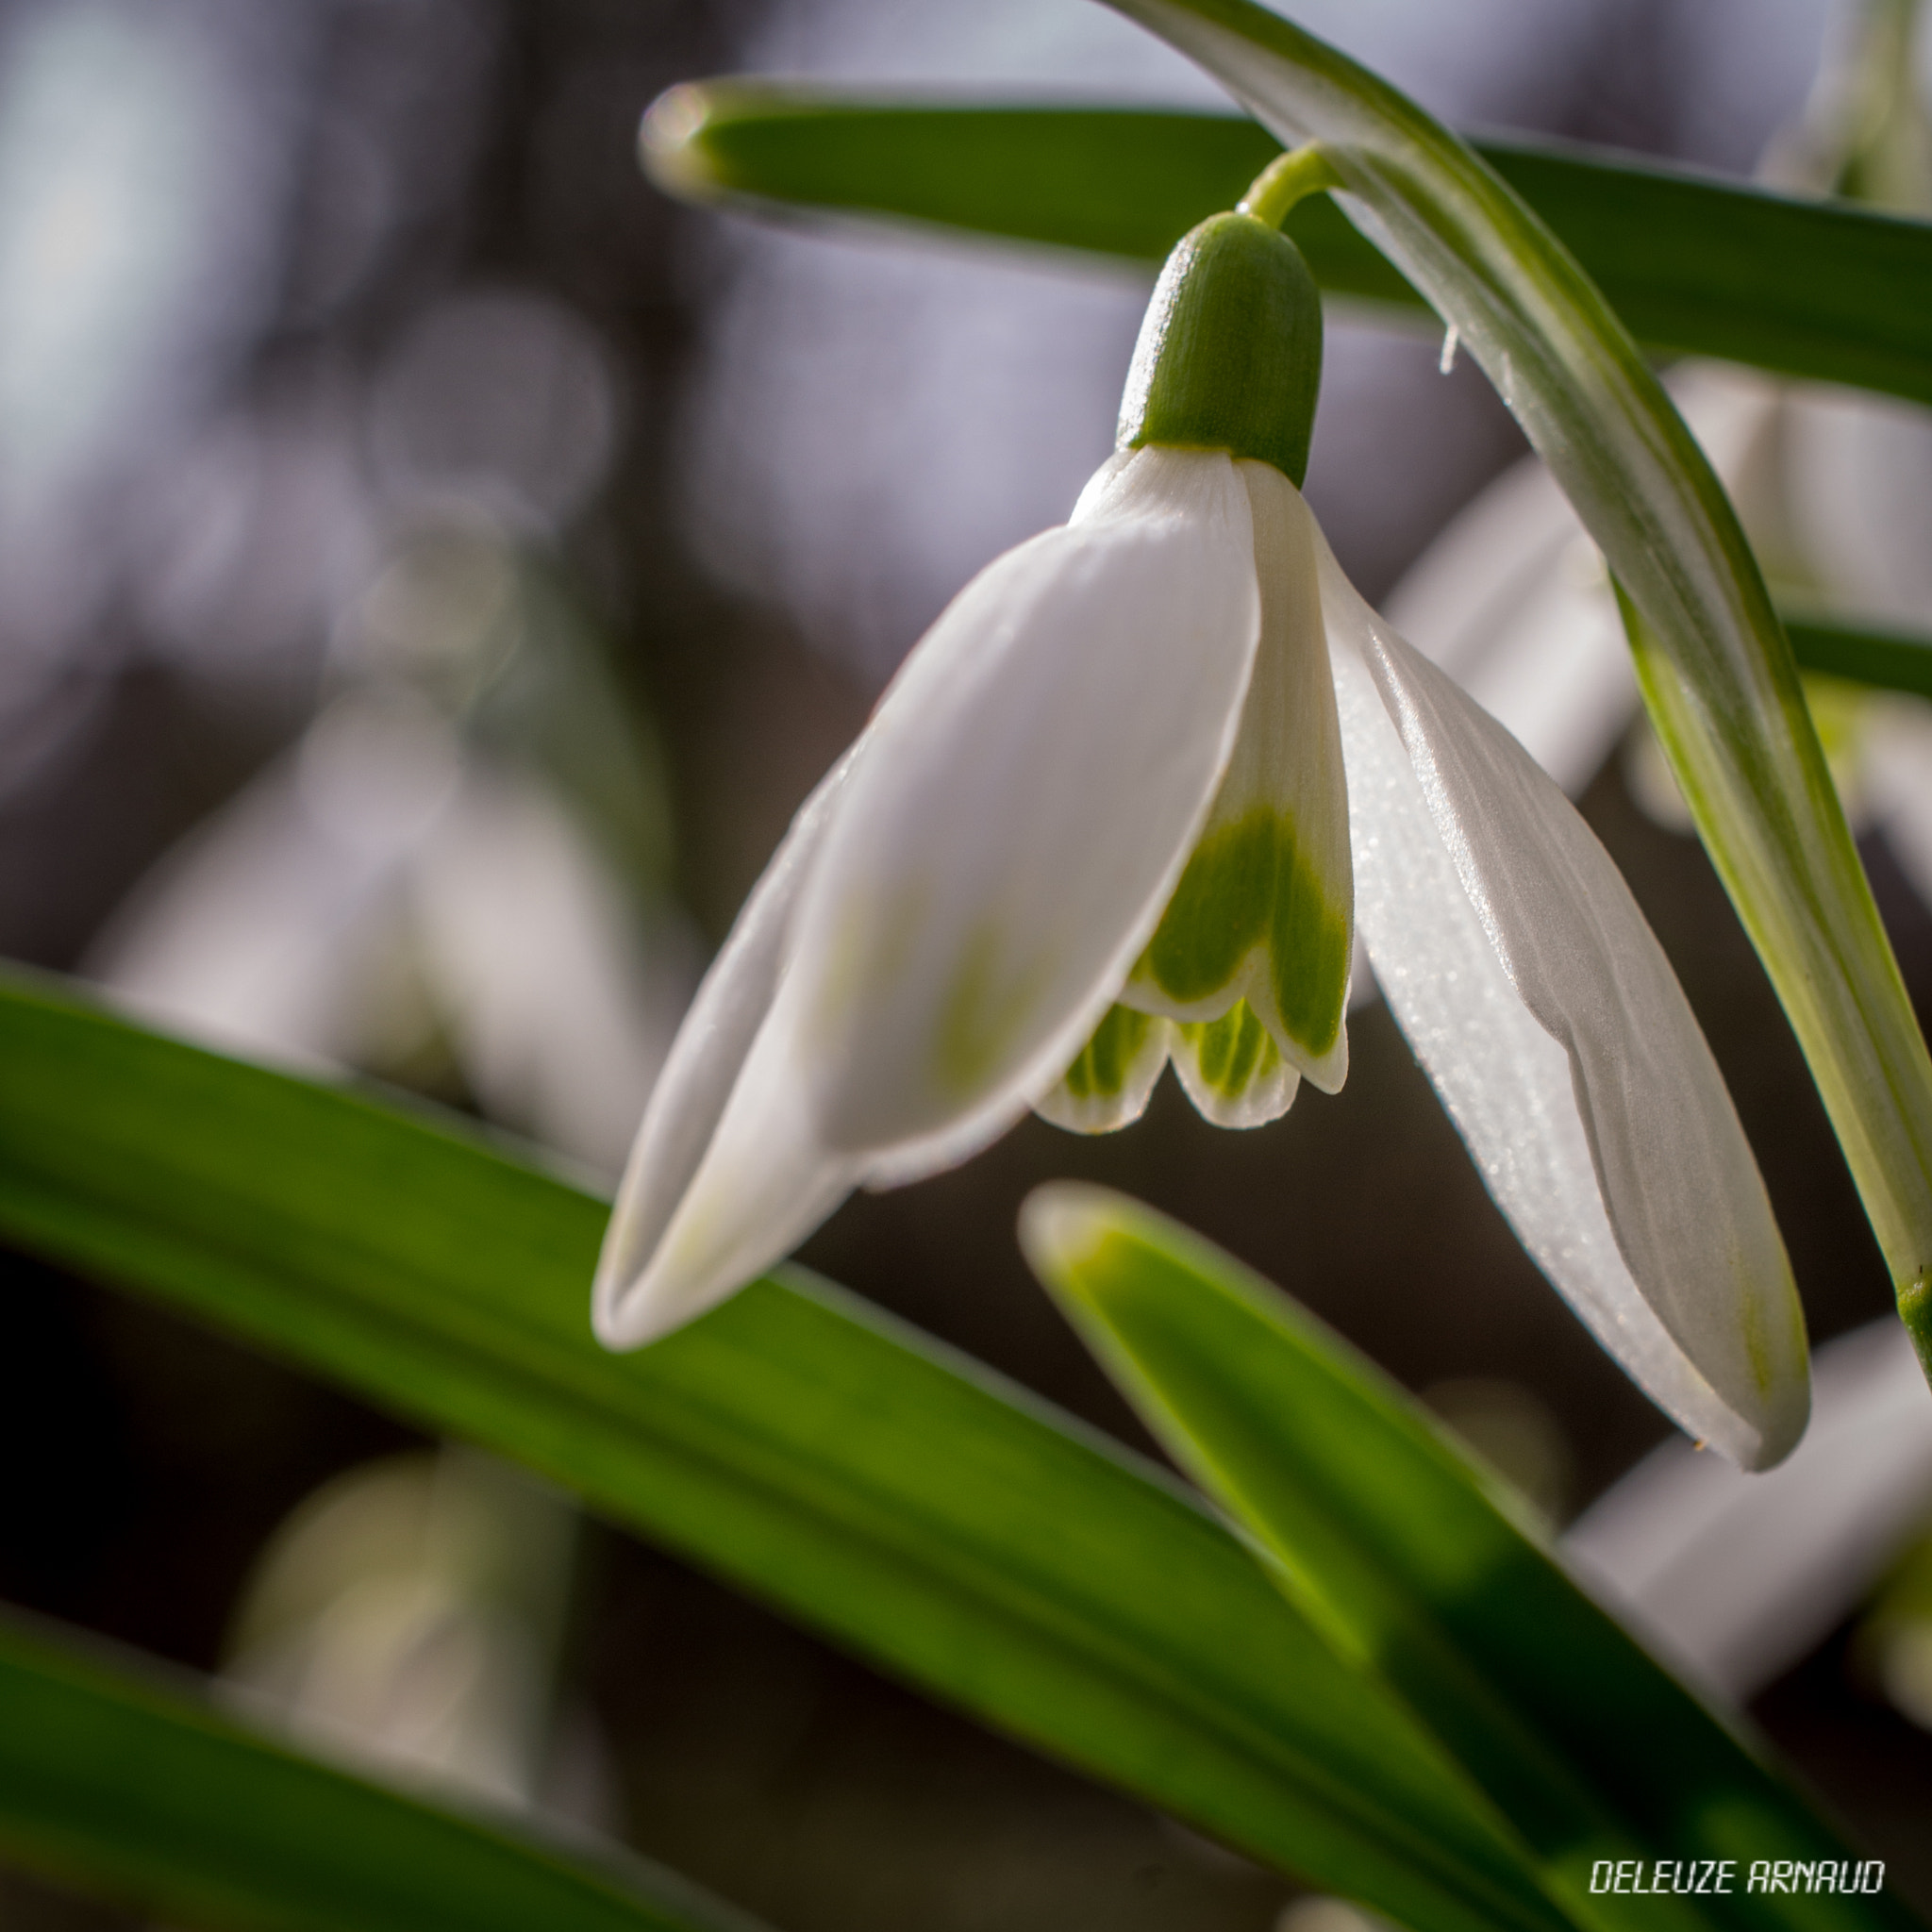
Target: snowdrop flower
x: 1123, y: 805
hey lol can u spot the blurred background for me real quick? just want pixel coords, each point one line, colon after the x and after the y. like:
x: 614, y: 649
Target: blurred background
x: 432, y: 569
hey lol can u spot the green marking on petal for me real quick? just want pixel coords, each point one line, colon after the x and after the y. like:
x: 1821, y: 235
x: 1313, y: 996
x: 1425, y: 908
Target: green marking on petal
x: 1249, y: 885
x: 1311, y: 961
x: 1233, y: 1071
x: 983, y: 1013
x: 1108, y: 1084
x: 1104, y: 1063
x: 1233, y: 1053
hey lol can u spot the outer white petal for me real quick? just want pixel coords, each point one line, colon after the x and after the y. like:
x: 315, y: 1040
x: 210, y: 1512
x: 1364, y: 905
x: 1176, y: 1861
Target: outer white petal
x: 1029, y: 793
x: 1547, y: 1017
x: 765, y: 1181
x: 1736, y: 1578
x: 638, y: 1295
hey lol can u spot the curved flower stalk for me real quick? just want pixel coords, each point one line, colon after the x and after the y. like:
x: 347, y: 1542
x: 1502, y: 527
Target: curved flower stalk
x: 1716, y: 672
x: 1123, y: 805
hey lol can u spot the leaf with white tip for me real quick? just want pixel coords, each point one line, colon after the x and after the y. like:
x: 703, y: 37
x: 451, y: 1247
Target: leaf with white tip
x: 1413, y: 1561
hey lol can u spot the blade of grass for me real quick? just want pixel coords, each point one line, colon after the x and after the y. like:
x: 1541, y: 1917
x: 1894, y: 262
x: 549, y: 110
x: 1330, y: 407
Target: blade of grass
x: 1391, y: 1544
x: 874, y: 1484
x: 1693, y: 263
x: 122, y: 1785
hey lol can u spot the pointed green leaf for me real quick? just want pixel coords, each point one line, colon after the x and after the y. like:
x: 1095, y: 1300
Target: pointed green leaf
x: 867, y: 1481
x: 122, y: 1784
x: 1394, y: 1546
x: 1861, y: 653
x: 1690, y: 262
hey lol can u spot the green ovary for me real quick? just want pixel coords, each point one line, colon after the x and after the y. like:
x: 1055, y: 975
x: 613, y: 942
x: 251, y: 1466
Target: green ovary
x: 1248, y: 885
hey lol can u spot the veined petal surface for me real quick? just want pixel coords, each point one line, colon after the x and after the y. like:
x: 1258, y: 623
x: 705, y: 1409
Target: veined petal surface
x: 1231, y: 1067
x: 1029, y: 793
x: 1544, y: 1011
x: 1263, y: 914
x: 1111, y: 1078
x: 632, y: 1301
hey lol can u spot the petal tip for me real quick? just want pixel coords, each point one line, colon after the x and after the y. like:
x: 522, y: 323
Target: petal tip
x: 1787, y: 1414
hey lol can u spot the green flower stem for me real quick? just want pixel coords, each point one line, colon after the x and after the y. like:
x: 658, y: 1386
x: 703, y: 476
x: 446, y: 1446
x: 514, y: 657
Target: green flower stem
x: 1287, y: 179
x: 1715, y: 668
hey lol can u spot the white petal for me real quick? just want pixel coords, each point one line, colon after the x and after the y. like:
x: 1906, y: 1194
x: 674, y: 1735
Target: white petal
x: 1029, y: 791
x: 1544, y: 1011
x: 1264, y: 913
x: 1112, y: 1077
x: 764, y: 1182
x: 1736, y: 1578
x: 634, y: 1299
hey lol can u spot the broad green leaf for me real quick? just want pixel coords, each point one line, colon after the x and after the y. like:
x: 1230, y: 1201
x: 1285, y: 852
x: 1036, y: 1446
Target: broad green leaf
x: 1715, y: 668
x: 120, y: 1783
x: 1823, y: 290
x: 876, y: 1486
x: 1398, y: 1550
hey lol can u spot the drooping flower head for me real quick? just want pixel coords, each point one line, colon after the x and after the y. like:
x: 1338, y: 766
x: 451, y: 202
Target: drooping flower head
x: 1123, y: 804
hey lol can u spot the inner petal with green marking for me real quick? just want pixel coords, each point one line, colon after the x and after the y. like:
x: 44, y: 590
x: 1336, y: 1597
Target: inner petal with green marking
x: 1231, y: 1067
x: 1244, y: 983
x: 1264, y: 911
x: 1107, y: 1086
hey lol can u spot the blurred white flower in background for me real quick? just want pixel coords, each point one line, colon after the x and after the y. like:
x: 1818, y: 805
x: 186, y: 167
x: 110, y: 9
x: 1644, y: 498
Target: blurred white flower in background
x: 407, y: 1618
x: 453, y: 878
x: 1733, y: 1578
x: 404, y: 894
